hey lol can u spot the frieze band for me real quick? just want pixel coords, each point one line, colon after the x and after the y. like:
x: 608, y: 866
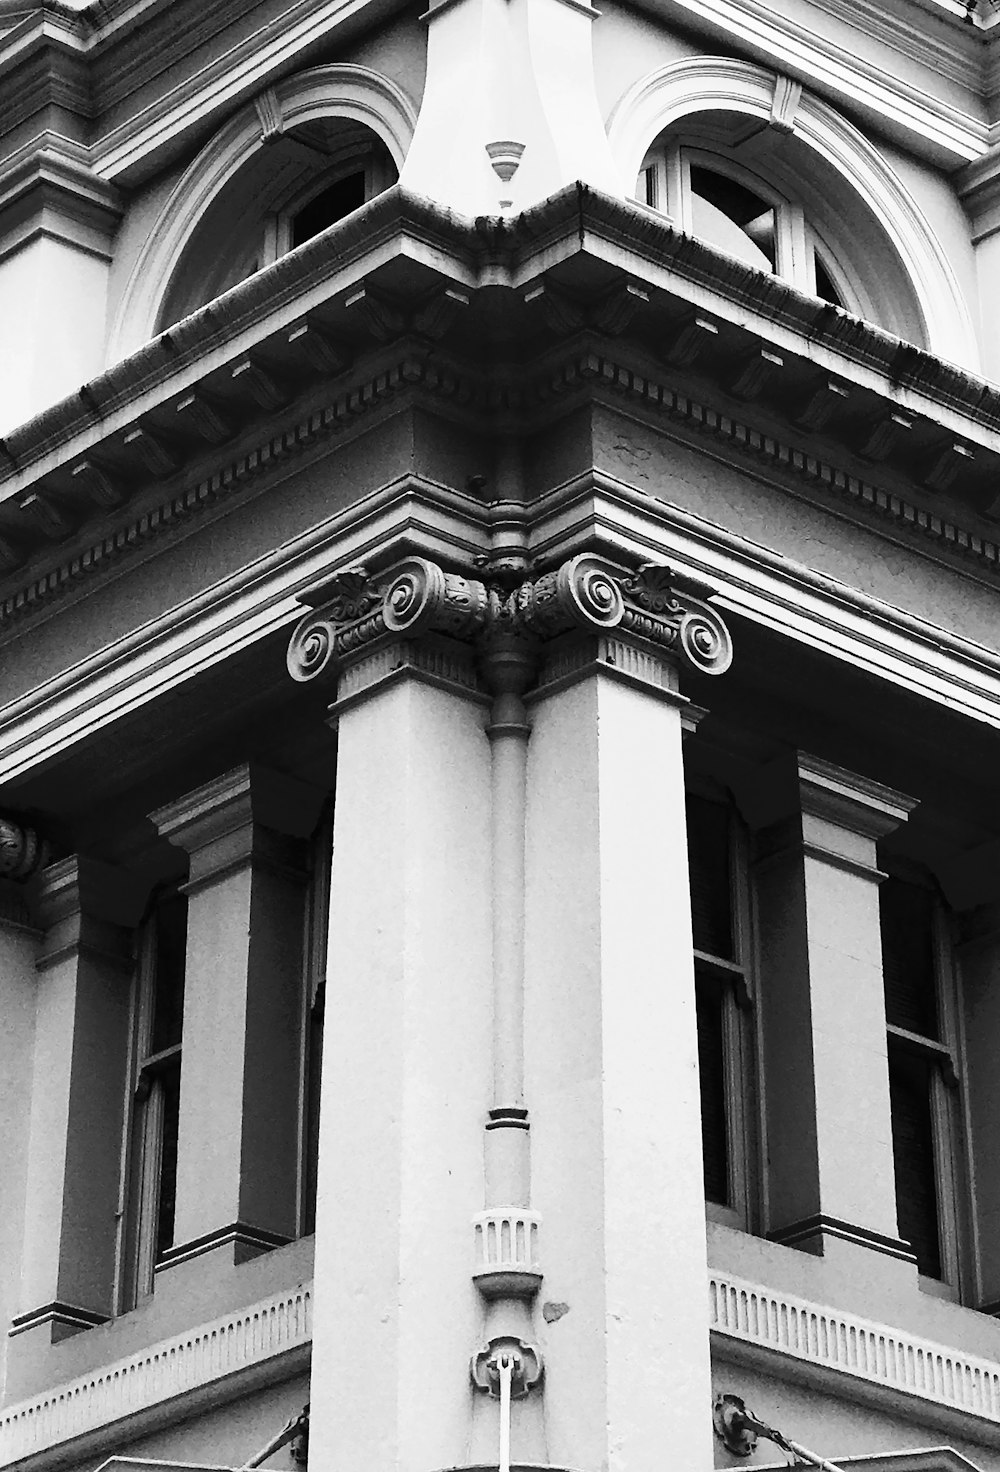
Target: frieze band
x: 353, y: 611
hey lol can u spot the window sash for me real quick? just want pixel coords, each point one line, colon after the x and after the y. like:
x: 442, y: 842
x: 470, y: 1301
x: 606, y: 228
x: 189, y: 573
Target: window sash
x: 727, y: 1046
x: 664, y: 184
x: 930, y: 1059
x: 150, y: 1153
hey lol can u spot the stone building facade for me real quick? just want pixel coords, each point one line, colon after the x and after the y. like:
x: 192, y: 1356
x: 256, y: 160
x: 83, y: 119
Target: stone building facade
x: 500, y: 641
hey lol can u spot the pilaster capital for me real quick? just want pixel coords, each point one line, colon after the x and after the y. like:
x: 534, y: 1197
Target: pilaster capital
x: 84, y: 906
x: 219, y: 824
x: 797, y: 783
x: 354, y: 612
x: 867, y: 808
x: 88, y: 887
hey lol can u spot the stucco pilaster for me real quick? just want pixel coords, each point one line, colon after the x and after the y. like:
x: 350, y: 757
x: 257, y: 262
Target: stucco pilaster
x: 831, y: 1180
x: 86, y: 910
x: 237, y: 1157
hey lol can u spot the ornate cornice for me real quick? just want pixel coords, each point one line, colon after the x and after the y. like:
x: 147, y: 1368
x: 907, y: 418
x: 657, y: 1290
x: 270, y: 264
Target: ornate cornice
x: 81, y: 461
x: 584, y: 367
x: 651, y: 607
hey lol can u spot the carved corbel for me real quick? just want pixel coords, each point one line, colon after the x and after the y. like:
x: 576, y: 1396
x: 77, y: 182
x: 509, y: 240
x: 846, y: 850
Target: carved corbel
x: 99, y: 486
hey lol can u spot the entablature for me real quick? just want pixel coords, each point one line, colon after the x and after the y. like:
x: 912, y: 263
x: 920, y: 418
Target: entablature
x: 603, y: 302
x: 405, y: 292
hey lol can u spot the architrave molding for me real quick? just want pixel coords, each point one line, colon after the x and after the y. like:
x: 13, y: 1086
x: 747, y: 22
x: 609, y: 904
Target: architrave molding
x: 713, y: 83
x: 922, y: 529
x: 417, y: 517
x: 951, y: 51
x: 930, y: 126
x: 340, y: 90
x: 143, y: 142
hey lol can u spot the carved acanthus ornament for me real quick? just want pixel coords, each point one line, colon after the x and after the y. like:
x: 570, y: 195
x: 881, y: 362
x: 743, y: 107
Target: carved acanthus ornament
x: 354, y: 611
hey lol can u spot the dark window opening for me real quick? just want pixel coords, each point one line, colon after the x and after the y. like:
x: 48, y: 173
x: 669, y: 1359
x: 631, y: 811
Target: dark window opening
x: 914, y: 1160
x: 908, y: 957
x: 825, y: 289
x: 331, y: 205
x: 708, y: 868
x: 712, y: 1079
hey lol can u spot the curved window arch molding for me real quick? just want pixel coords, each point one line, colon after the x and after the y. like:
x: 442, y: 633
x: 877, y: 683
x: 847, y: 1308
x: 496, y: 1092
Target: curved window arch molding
x: 716, y: 84
x: 337, y: 91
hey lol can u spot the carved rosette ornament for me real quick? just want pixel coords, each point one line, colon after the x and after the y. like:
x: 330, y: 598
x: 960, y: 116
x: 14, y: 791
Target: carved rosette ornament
x: 585, y: 594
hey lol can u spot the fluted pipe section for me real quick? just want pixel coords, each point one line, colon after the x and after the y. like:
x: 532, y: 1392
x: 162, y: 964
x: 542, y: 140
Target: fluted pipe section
x: 508, y: 666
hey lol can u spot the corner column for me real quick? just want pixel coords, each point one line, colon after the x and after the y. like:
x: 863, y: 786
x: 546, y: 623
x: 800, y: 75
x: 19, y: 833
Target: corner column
x: 407, y: 1046
x: 477, y: 967
x: 612, y: 1057
x: 237, y: 1151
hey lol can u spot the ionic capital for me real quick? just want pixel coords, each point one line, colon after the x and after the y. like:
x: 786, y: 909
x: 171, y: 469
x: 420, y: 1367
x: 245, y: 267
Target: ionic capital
x: 354, y: 612
x: 22, y: 851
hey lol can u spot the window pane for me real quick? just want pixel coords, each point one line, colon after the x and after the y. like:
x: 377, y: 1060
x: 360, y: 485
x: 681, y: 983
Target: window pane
x: 170, y: 1083
x: 708, y: 868
x: 825, y: 288
x: 727, y: 214
x: 908, y: 962
x: 712, y: 1078
x: 913, y: 1155
x: 327, y: 208
x: 170, y: 943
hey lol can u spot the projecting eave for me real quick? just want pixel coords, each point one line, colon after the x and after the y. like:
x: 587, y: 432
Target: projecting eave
x: 405, y: 277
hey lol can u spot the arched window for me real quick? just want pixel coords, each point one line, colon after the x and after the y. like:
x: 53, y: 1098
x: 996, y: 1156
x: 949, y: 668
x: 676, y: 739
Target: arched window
x: 845, y: 226
x: 729, y: 206
x: 307, y: 179
x: 750, y: 195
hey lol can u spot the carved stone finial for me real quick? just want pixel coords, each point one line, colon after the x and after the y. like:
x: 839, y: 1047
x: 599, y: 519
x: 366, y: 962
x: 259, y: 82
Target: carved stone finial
x: 585, y: 593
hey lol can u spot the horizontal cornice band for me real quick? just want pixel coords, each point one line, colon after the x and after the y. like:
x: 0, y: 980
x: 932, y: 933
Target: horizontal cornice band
x: 414, y: 517
x: 141, y: 142
x: 231, y: 1347
x: 845, y: 1347
x: 497, y: 253
x: 932, y: 127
